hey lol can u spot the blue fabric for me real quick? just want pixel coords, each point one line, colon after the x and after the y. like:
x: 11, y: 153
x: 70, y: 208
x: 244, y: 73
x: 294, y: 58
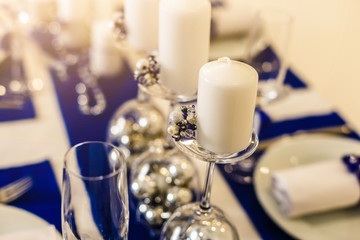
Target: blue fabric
x: 85, y: 128
x: 82, y: 127
x: 293, y: 80
x: 270, y: 129
x: 27, y: 111
x: 44, y: 198
x: 274, y: 129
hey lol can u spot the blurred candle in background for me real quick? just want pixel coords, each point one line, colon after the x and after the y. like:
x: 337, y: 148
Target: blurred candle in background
x: 42, y: 12
x: 105, y: 58
x: 104, y: 9
x: 226, y: 105
x: 73, y: 10
x: 142, y: 24
x: 184, y: 38
x: 74, y: 16
x: 232, y: 17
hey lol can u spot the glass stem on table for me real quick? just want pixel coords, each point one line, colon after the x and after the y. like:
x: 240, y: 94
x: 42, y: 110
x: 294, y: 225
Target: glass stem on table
x: 142, y: 96
x: 205, y: 197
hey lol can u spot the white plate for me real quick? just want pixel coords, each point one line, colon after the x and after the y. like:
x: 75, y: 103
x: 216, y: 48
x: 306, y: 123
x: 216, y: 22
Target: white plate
x: 340, y: 224
x: 13, y: 219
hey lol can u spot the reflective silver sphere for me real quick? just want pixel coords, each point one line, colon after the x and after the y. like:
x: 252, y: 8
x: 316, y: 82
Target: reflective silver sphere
x: 161, y: 181
x: 133, y: 126
x: 188, y: 222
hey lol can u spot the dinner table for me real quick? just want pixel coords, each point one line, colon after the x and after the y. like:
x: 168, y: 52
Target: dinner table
x: 322, y: 75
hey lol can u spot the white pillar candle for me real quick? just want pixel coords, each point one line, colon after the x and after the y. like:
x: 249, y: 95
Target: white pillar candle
x: 74, y: 16
x: 75, y: 35
x: 105, y: 58
x: 226, y: 105
x: 142, y: 24
x: 184, y: 39
x: 233, y: 18
x: 73, y: 10
x: 104, y: 9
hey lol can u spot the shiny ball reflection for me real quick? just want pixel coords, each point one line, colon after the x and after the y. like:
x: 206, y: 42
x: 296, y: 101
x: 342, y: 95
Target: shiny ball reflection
x: 133, y: 126
x: 161, y: 181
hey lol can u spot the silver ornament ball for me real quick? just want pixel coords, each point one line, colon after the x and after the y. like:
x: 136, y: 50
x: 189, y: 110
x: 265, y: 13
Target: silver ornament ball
x: 134, y: 125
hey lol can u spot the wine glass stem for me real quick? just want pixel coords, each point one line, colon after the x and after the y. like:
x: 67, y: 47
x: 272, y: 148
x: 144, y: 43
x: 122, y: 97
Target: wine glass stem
x: 205, y: 198
x: 142, y: 96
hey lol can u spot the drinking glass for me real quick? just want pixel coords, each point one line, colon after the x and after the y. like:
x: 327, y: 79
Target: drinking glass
x: 94, y: 193
x: 267, y: 52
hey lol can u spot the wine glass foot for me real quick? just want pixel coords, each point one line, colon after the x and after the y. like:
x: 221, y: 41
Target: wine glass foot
x: 192, y: 222
x: 270, y: 92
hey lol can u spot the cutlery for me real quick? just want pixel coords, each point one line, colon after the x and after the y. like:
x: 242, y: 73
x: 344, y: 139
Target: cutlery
x: 16, y: 189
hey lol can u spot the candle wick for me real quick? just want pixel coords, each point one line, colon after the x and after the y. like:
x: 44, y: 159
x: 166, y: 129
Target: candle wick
x: 224, y: 60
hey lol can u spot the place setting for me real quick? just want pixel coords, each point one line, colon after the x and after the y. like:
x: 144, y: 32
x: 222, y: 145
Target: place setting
x: 30, y: 202
x: 324, y: 207
x: 170, y: 120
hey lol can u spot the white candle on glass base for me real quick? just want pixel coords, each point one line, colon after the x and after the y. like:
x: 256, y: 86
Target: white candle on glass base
x: 142, y: 24
x: 226, y: 105
x: 105, y: 58
x: 184, y: 39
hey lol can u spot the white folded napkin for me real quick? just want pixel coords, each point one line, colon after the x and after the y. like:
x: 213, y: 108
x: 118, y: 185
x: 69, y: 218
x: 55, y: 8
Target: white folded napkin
x: 43, y: 233
x: 298, y: 104
x: 313, y: 188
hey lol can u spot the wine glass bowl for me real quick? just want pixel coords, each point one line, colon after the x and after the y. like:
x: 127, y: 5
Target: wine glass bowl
x: 192, y: 148
x: 267, y: 52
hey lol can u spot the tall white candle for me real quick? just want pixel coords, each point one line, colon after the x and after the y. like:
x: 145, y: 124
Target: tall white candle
x: 105, y: 58
x: 104, y: 9
x: 73, y: 10
x: 226, y: 105
x: 75, y: 35
x: 74, y: 16
x: 184, y: 39
x: 142, y: 24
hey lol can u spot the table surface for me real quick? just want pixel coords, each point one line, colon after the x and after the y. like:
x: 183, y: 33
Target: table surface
x: 324, y: 52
